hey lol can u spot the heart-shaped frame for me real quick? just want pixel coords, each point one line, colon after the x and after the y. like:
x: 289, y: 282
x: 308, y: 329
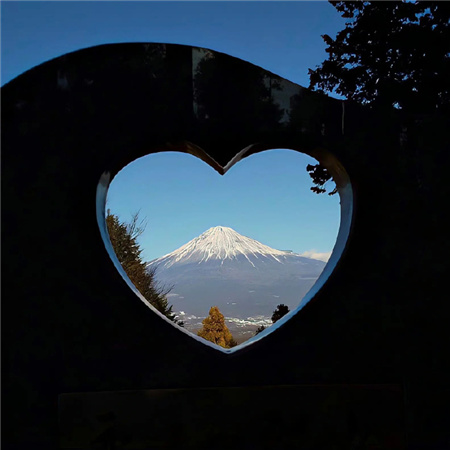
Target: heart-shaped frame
x: 344, y: 188
x: 110, y: 105
x: 88, y: 113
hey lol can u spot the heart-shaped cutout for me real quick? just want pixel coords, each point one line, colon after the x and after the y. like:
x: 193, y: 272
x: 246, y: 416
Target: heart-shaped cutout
x: 228, y: 264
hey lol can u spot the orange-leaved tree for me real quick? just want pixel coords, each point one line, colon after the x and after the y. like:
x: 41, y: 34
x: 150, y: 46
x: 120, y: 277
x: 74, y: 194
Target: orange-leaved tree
x: 215, y: 330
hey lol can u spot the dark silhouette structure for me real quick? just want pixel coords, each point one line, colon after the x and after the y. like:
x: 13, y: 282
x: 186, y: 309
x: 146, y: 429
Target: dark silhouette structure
x: 365, y: 362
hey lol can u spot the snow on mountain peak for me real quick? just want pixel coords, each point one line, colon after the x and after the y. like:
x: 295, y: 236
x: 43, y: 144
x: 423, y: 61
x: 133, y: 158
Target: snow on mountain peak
x: 220, y: 243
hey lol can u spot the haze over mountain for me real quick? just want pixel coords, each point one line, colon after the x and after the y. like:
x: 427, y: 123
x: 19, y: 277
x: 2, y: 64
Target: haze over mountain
x: 243, y: 277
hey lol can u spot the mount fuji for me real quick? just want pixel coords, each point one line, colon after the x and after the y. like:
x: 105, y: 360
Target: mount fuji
x: 243, y: 277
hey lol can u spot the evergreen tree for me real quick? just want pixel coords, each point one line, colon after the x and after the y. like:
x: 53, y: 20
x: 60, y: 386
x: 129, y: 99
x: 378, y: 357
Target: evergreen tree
x: 280, y: 311
x: 124, y: 241
x: 215, y: 330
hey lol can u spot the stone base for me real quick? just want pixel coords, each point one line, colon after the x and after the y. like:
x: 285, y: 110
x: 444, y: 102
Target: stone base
x: 269, y: 417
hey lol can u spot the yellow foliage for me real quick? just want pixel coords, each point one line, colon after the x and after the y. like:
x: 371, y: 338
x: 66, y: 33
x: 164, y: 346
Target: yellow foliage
x: 215, y: 330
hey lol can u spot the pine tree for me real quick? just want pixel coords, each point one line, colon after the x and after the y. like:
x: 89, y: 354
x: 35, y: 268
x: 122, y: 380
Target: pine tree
x: 124, y: 241
x: 215, y: 330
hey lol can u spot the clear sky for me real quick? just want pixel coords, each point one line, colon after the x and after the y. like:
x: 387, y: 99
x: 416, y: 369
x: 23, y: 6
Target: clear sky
x: 266, y: 196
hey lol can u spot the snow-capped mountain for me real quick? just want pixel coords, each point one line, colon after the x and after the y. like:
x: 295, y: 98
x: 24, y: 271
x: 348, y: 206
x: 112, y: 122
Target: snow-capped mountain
x: 240, y: 275
x: 221, y: 243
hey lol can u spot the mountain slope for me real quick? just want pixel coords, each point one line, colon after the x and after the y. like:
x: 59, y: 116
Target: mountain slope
x: 240, y: 275
x: 219, y: 243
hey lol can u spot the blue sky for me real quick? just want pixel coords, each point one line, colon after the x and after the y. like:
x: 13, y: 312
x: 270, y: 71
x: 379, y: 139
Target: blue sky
x: 266, y: 196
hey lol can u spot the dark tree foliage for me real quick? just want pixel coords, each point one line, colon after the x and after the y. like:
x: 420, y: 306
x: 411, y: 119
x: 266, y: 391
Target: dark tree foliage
x: 280, y: 311
x: 320, y: 177
x: 215, y: 330
x: 390, y: 56
x: 260, y: 329
x: 124, y: 241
